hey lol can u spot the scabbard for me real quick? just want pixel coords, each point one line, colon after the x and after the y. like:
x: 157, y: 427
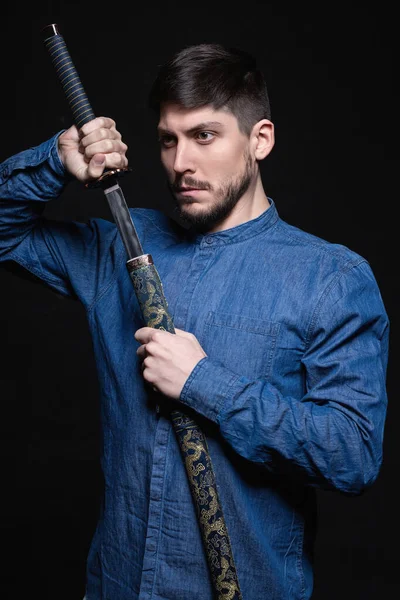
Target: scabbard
x: 193, y: 444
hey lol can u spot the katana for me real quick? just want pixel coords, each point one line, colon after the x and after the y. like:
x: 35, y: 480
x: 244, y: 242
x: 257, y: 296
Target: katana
x: 154, y: 308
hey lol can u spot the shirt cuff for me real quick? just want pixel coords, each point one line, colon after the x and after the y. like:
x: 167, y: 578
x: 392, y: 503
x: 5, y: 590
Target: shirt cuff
x: 54, y: 157
x: 207, y: 389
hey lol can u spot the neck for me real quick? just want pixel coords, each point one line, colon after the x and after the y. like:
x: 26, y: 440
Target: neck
x: 250, y: 206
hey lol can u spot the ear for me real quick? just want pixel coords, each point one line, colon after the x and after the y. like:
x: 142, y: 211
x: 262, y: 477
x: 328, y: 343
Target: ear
x: 262, y: 139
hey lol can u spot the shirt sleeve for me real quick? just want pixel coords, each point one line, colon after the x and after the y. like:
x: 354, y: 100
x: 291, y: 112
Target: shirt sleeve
x: 333, y: 436
x: 76, y: 259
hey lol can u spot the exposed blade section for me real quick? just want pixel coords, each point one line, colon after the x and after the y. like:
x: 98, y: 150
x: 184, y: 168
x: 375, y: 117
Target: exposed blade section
x: 123, y: 220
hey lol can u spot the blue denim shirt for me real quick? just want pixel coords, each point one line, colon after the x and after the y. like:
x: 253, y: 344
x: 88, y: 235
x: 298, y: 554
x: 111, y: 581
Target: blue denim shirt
x: 291, y: 395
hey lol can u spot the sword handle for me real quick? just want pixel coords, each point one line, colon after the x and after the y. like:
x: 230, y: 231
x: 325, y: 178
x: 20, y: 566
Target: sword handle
x: 68, y: 76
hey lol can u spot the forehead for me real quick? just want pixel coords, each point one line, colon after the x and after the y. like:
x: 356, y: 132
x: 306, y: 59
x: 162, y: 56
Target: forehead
x: 175, y: 118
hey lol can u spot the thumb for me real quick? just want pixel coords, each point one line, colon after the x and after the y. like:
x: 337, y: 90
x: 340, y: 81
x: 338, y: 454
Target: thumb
x: 96, y: 166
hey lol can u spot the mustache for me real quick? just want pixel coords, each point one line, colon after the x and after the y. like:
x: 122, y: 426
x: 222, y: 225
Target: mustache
x: 189, y: 182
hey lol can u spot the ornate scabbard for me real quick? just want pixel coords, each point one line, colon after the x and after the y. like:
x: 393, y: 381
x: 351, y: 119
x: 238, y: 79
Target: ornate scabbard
x: 192, y: 443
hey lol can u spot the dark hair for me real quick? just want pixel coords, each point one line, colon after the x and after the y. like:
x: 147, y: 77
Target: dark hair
x: 209, y: 74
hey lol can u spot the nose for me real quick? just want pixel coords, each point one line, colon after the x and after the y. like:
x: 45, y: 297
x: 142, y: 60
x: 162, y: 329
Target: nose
x: 183, y: 160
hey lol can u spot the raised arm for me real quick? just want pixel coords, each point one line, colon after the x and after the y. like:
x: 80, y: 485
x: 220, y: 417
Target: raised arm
x: 57, y: 252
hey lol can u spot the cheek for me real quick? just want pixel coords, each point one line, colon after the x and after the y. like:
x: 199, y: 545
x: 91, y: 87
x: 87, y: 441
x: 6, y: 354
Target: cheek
x: 227, y: 163
x: 167, y: 165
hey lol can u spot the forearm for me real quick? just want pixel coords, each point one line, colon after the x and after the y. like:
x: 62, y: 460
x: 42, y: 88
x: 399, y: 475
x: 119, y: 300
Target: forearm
x: 320, y: 443
x: 326, y: 424
x: 27, y: 181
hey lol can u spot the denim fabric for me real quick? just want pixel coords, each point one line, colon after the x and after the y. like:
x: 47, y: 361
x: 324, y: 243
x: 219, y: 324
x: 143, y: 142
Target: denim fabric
x: 291, y: 395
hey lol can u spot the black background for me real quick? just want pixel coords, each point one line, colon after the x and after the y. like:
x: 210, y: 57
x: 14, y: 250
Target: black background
x: 332, y: 72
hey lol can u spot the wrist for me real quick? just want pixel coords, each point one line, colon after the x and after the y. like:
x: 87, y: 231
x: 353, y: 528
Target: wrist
x: 57, y: 156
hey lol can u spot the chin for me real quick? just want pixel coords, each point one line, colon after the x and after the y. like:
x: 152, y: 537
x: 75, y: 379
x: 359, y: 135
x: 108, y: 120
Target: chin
x: 192, y: 207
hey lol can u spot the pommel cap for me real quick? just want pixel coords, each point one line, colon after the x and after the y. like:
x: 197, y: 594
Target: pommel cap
x: 50, y: 31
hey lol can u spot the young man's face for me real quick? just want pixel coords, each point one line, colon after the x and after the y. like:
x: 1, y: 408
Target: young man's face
x: 207, y: 161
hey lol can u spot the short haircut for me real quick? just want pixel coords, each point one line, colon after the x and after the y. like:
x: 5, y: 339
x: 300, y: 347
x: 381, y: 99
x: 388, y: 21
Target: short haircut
x: 210, y: 74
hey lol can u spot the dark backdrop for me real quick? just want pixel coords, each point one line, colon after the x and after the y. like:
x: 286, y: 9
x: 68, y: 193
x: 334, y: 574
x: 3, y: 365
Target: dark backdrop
x: 332, y: 71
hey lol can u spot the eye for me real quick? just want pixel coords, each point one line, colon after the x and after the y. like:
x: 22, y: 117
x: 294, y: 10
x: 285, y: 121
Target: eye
x: 204, y: 137
x: 167, y: 141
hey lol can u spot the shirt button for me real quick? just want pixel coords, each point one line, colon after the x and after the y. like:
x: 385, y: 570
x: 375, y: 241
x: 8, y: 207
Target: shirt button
x: 208, y: 240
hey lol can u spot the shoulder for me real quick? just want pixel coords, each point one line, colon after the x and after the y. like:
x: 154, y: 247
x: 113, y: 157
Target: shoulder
x: 328, y: 269
x: 323, y: 259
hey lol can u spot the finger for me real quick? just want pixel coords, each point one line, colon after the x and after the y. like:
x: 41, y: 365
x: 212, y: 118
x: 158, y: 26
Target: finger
x: 96, y: 166
x: 105, y: 146
x: 144, y: 334
x: 97, y: 135
x: 116, y: 161
x: 148, y: 373
x: 141, y: 351
x: 97, y: 123
x: 99, y: 162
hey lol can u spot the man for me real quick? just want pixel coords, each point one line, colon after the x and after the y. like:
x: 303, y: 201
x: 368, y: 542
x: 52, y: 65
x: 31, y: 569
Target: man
x: 280, y: 353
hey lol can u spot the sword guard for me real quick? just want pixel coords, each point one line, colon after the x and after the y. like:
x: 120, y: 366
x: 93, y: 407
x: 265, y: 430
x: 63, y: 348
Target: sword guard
x: 103, y: 180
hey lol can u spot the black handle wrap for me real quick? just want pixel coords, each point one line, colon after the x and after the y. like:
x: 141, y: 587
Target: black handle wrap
x: 193, y: 444
x: 68, y: 76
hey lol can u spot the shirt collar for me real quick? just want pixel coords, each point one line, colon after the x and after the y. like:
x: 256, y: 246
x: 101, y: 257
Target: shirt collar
x: 244, y: 231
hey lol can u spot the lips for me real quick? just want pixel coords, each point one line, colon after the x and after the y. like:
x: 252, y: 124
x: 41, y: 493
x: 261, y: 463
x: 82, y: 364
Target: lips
x: 187, y: 192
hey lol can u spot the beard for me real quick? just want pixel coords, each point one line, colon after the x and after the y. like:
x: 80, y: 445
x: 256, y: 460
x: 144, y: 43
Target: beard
x: 226, y: 198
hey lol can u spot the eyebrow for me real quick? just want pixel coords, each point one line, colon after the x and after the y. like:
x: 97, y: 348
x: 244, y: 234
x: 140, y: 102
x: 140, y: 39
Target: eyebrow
x: 203, y: 125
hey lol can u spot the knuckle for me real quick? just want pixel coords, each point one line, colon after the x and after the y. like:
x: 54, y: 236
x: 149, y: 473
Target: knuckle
x: 148, y: 376
x: 84, y: 130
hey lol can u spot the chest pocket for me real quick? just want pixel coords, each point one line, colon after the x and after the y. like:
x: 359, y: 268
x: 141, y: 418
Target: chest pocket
x: 245, y: 345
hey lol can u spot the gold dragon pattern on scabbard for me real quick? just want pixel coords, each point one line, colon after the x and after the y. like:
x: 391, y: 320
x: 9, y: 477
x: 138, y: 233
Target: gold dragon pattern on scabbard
x: 149, y: 292
x: 204, y: 491
x: 193, y: 446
